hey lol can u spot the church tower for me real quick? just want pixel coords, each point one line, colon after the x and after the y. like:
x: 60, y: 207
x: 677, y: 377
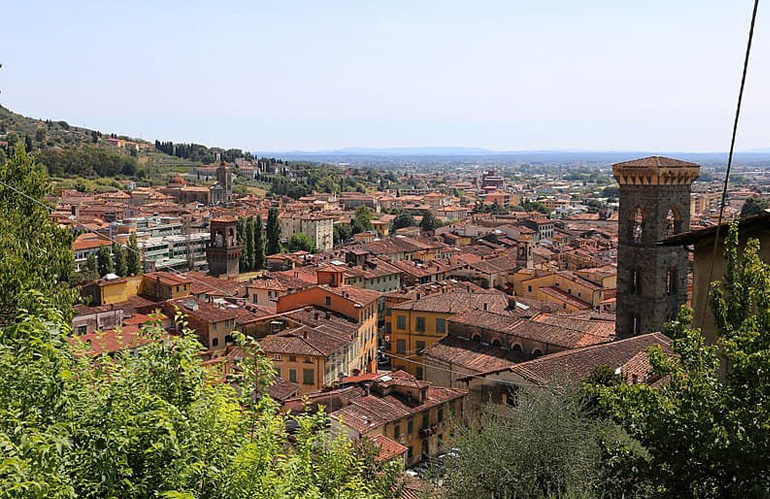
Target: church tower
x: 652, y: 279
x: 224, y: 250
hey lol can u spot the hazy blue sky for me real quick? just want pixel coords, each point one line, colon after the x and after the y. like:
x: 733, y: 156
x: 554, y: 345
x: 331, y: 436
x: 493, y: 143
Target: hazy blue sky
x: 322, y: 74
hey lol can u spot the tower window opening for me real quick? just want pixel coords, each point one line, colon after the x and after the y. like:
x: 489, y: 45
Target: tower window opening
x: 637, y: 226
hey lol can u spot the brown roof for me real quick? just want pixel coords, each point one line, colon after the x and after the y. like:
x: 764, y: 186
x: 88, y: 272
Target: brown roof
x: 387, y: 448
x: 282, y: 389
x: 306, y: 340
x: 168, y: 278
x: 561, y: 335
x: 359, y: 296
x: 199, y: 309
x: 204, y: 283
x: 455, y: 302
x: 559, y: 294
x: 580, y: 363
x: 656, y: 162
x: 100, y: 342
x: 471, y: 355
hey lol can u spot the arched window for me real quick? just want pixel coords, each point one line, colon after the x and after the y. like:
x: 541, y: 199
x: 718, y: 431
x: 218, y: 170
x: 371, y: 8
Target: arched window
x: 671, y: 278
x: 673, y: 222
x: 496, y: 343
x: 516, y: 348
x: 635, y: 328
x: 637, y: 225
x: 636, y: 281
x: 537, y: 352
x: 476, y: 338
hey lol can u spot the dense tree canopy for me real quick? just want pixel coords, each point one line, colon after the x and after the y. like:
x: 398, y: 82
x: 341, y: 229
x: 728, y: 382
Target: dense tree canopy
x: 706, y: 430
x: 403, y: 219
x: 301, y: 242
x: 157, y: 424
x: 362, y: 220
x: 273, y: 231
x: 86, y: 161
x: 153, y: 422
x: 429, y: 221
x: 36, y: 253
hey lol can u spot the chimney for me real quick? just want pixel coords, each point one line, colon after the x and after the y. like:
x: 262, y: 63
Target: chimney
x: 418, y: 296
x: 485, y: 306
x: 316, y: 315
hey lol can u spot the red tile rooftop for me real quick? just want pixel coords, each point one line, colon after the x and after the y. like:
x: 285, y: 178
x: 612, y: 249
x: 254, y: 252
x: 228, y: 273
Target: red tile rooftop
x: 656, y: 162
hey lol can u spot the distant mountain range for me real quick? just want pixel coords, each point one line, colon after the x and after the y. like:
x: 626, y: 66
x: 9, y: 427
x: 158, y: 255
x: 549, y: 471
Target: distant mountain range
x: 473, y: 154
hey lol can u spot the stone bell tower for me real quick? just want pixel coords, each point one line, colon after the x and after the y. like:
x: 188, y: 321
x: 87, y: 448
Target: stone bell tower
x: 652, y: 279
x: 224, y: 250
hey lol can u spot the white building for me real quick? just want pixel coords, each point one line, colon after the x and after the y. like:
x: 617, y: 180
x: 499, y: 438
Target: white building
x: 319, y: 227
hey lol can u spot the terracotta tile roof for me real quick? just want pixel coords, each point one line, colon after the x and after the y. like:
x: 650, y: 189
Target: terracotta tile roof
x: 448, y: 285
x: 455, y: 302
x: 169, y: 278
x: 359, y: 296
x: 199, y: 309
x: 387, y: 448
x: 306, y: 340
x: 206, y: 284
x: 109, y: 342
x: 282, y: 390
x: 90, y: 240
x: 559, y: 294
x: 297, y: 278
x: 470, y: 355
x: 368, y: 412
x: 578, y: 364
x: 563, y: 335
x: 602, y: 325
x: 656, y: 162
x: 502, y: 264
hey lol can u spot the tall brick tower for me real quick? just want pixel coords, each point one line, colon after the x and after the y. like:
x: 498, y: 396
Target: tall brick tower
x: 224, y: 251
x: 654, y: 204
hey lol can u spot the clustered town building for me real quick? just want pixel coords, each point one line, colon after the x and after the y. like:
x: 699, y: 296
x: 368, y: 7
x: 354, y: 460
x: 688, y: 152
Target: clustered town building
x: 400, y: 334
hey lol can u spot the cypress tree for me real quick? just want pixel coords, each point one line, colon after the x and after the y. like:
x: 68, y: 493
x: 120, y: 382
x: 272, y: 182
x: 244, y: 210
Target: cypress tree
x: 249, y: 245
x: 259, y: 244
x: 273, y: 245
x: 119, y: 259
x: 240, y: 229
x: 104, y: 261
x: 91, y: 270
x: 133, y: 257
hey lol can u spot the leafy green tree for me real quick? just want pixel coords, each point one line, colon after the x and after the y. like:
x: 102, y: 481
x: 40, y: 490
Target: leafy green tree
x: 546, y: 446
x: 754, y: 206
x: 259, y: 244
x: 273, y: 230
x: 133, y: 256
x: 249, y: 243
x: 706, y: 430
x: 36, y: 252
x: 362, y: 220
x: 119, y: 259
x: 91, y: 270
x: 153, y: 424
x: 301, y: 242
x: 429, y: 221
x: 341, y: 233
x: 403, y: 219
x: 535, y: 206
x: 104, y: 261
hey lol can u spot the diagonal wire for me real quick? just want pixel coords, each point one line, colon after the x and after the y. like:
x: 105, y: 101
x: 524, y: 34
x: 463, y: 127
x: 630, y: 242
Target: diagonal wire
x: 729, y: 165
